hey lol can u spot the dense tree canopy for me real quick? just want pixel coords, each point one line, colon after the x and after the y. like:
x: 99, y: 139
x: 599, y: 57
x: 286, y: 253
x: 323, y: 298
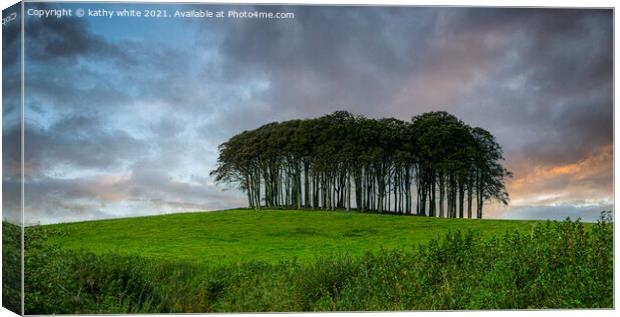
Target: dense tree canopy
x: 342, y: 161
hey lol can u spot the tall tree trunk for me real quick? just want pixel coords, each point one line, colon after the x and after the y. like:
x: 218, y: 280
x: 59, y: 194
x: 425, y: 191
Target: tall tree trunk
x: 433, y: 205
x: 306, y: 186
x: 348, y: 193
x: 408, y: 189
x: 461, y: 199
x: 469, y: 203
x: 441, y: 195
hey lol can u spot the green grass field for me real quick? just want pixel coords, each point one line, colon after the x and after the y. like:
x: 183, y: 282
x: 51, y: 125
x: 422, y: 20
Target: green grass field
x: 293, y: 261
x: 234, y: 236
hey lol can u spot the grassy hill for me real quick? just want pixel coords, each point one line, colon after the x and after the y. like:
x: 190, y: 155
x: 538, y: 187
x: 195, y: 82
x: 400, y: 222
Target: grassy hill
x: 234, y: 236
x: 244, y: 261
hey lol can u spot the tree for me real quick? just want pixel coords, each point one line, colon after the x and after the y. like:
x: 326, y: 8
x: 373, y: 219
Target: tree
x: 490, y: 175
x: 340, y: 161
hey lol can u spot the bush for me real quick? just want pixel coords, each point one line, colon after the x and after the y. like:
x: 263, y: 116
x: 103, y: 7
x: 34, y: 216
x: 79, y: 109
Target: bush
x: 555, y: 265
x: 11, y: 267
x: 62, y: 281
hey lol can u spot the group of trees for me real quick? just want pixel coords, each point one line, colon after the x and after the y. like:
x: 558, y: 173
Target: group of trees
x: 342, y: 161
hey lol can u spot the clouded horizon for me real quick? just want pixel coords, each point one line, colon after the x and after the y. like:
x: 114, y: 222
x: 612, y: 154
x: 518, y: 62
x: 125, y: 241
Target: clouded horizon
x: 123, y: 116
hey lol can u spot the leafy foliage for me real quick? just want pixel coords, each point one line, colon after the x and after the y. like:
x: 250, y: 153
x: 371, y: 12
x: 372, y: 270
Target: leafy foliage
x: 11, y: 266
x: 342, y: 161
x: 555, y: 265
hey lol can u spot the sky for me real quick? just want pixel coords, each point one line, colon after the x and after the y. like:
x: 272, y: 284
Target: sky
x: 123, y: 115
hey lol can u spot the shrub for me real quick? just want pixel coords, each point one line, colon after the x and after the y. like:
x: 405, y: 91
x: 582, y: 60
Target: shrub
x: 11, y: 267
x: 554, y: 265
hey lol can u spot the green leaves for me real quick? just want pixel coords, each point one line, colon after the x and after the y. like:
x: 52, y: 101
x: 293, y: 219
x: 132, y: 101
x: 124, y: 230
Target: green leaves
x: 344, y: 158
x: 555, y: 265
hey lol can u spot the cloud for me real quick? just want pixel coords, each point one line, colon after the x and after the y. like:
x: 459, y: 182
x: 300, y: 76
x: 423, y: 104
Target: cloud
x: 591, y: 213
x: 144, y: 190
x: 103, y: 139
x: 121, y: 125
x: 588, y: 179
x: 328, y: 57
x: 77, y: 143
x: 64, y: 40
x: 11, y: 35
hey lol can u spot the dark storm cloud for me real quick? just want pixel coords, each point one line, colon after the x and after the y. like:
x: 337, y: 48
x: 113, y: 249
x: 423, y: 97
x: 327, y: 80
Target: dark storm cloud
x: 559, y: 62
x: 111, y: 74
x: 73, y: 111
x: 55, y: 39
x: 70, y: 66
x: 541, y: 80
x: 64, y: 40
x: 62, y: 91
x: 108, y: 127
x: 579, y: 129
x: 78, y: 142
x: 63, y: 71
x: 329, y: 57
x: 11, y: 79
x: 401, y: 62
x: 11, y: 35
x: 139, y: 120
